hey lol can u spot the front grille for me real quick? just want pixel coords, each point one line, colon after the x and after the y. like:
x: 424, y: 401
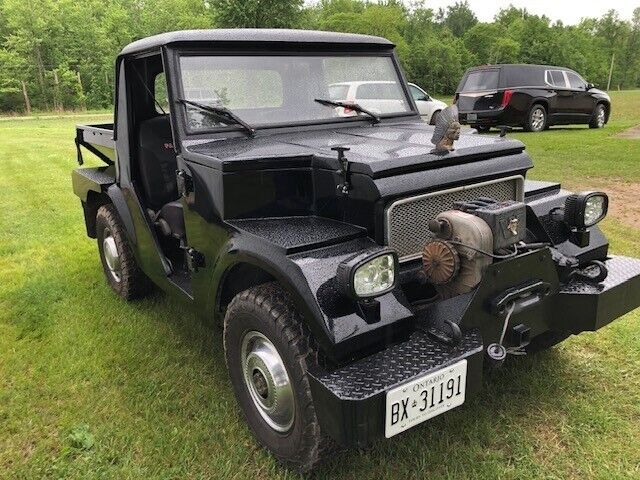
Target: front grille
x: 406, y: 222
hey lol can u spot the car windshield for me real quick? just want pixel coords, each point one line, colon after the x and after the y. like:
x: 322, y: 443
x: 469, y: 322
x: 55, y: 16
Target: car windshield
x: 266, y: 90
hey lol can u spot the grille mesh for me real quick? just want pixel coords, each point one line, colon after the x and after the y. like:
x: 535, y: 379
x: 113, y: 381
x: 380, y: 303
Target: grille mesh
x: 407, y: 219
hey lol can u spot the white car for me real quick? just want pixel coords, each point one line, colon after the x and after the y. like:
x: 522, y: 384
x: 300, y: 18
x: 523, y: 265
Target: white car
x: 384, y: 97
x: 428, y: 106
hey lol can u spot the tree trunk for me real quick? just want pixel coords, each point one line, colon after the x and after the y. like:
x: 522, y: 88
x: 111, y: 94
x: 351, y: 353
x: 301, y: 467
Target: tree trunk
x: 40, y: 64
x: 27, y: 103
x: 57, y: 101
x: 83, y: 102
x: 613, y: 55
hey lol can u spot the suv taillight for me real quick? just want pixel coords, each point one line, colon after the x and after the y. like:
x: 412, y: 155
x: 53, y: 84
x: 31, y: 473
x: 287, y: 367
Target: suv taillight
x: 506, y: 97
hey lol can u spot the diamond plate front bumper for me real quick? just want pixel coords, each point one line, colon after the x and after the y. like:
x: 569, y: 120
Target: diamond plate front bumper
x: 350, y: 401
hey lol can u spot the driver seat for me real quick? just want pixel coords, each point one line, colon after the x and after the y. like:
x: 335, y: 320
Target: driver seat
x: 158, y: 165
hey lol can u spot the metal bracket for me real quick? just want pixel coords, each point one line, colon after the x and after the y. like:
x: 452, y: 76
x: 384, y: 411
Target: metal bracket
x: 522, y: 297
x: 185, y: 183
x: 345, y: 186
x: 195, y: 259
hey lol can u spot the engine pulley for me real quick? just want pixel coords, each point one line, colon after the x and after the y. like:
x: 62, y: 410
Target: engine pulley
x: 441, y: 262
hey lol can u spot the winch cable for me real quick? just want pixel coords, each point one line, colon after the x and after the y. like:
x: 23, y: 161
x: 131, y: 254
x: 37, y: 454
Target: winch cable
x: 511, y: 350
x: 480, y: 251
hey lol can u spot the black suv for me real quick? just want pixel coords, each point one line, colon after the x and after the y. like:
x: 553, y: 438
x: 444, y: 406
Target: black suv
x: 531, y: 96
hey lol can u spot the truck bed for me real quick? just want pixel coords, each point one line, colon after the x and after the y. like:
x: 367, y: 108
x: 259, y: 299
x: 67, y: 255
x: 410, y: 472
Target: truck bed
x: 98, y: 139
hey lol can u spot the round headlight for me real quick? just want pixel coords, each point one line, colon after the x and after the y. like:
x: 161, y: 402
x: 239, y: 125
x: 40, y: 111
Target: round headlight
x: 585, y: 209
x: 368, y: 274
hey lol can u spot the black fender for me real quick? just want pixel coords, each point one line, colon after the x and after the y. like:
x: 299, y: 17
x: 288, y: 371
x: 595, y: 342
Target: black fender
x: 539, y: 100
x: 334, y: 320
x: 115, y: 194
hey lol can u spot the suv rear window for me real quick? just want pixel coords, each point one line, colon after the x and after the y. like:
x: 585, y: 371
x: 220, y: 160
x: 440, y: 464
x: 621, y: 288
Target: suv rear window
x: 481, y: 80
x: 338, y: 92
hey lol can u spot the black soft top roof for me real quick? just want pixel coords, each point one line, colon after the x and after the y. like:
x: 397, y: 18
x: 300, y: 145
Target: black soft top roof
x: 253, y: 35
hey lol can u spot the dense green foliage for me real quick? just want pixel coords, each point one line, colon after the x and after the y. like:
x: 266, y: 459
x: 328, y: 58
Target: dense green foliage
x: 95, y: 388
x: 62, y: 51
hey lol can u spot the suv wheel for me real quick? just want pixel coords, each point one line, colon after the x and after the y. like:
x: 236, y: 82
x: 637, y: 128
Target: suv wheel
x: 482, y: 128
x: 118, y: 262
x: 537, y: 120
x: 268, y: 352
x: 599, y: 117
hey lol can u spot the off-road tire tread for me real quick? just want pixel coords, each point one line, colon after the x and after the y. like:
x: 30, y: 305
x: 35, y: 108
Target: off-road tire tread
x: 271, y: 299
x: 434, y: 117
x: 133, y: 283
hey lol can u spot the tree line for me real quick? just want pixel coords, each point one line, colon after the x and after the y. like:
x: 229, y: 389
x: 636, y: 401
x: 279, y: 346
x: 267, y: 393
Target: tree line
x: 59, y: 54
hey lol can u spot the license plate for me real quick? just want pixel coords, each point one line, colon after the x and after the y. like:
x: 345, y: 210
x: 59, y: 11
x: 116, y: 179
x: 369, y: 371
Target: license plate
x: 472, y: 117
x: 425, y: 397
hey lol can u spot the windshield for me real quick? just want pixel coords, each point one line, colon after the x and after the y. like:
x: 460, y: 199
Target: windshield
x: 266, y: 90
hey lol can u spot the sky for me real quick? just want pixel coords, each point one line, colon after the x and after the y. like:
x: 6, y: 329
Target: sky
x: 569, y: 11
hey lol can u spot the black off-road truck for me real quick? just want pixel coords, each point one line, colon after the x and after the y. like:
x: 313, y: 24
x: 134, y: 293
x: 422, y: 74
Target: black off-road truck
x: 362, y: 276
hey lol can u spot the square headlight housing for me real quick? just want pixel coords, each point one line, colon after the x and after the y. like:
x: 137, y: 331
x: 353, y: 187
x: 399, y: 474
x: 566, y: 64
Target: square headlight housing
x: 582, y: 210
x: 368, y: 274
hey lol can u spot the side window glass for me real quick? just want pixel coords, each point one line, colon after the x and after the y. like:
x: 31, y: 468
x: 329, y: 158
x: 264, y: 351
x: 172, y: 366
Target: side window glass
x: 160, y: 93
x: 417, y: 94
x: 575, y: 81
x: 557, y: 78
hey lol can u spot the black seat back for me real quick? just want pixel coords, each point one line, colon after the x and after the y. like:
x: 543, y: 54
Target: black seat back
x: 157, y: 161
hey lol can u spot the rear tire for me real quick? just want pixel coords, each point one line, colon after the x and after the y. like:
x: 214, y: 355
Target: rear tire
x: 599, y: 117
x: 482, y: 128
x: 264, y: 339
x: 123, y: 273
x: 537, y: 119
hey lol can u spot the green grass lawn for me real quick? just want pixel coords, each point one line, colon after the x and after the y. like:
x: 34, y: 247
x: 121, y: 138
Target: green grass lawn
x: 91, y: 387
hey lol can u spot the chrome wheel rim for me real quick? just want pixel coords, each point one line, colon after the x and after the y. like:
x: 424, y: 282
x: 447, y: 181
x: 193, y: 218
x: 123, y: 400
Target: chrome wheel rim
x: 111, y: 255
x: 601, y: 116
x: 537, y: 119
x: 267, y: 381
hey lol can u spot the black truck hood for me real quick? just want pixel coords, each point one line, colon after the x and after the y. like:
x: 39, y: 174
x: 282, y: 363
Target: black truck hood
x: 376, y: 150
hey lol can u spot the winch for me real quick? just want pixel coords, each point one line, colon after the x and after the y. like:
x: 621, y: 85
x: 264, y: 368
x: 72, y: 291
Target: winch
x: 467, y: 239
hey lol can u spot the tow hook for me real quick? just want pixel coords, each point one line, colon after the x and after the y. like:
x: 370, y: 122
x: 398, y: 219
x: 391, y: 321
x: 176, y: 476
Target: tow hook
x: 595, y: 272
x: 452, y: 337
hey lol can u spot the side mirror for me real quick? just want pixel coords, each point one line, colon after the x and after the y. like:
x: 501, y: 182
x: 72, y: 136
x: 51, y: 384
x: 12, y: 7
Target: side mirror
x: 590, y: 86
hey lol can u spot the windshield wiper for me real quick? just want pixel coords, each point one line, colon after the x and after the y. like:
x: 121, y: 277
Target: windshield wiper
x: 353, y: 106
x: 221, y: 113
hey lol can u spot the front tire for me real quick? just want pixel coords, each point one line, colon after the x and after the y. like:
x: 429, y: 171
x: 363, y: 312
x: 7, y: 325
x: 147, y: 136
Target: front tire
x: 434, y: 117
x: 537, y: 120
x: 599, y: 117
x: 121, y: 270
x: 268, y: 353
